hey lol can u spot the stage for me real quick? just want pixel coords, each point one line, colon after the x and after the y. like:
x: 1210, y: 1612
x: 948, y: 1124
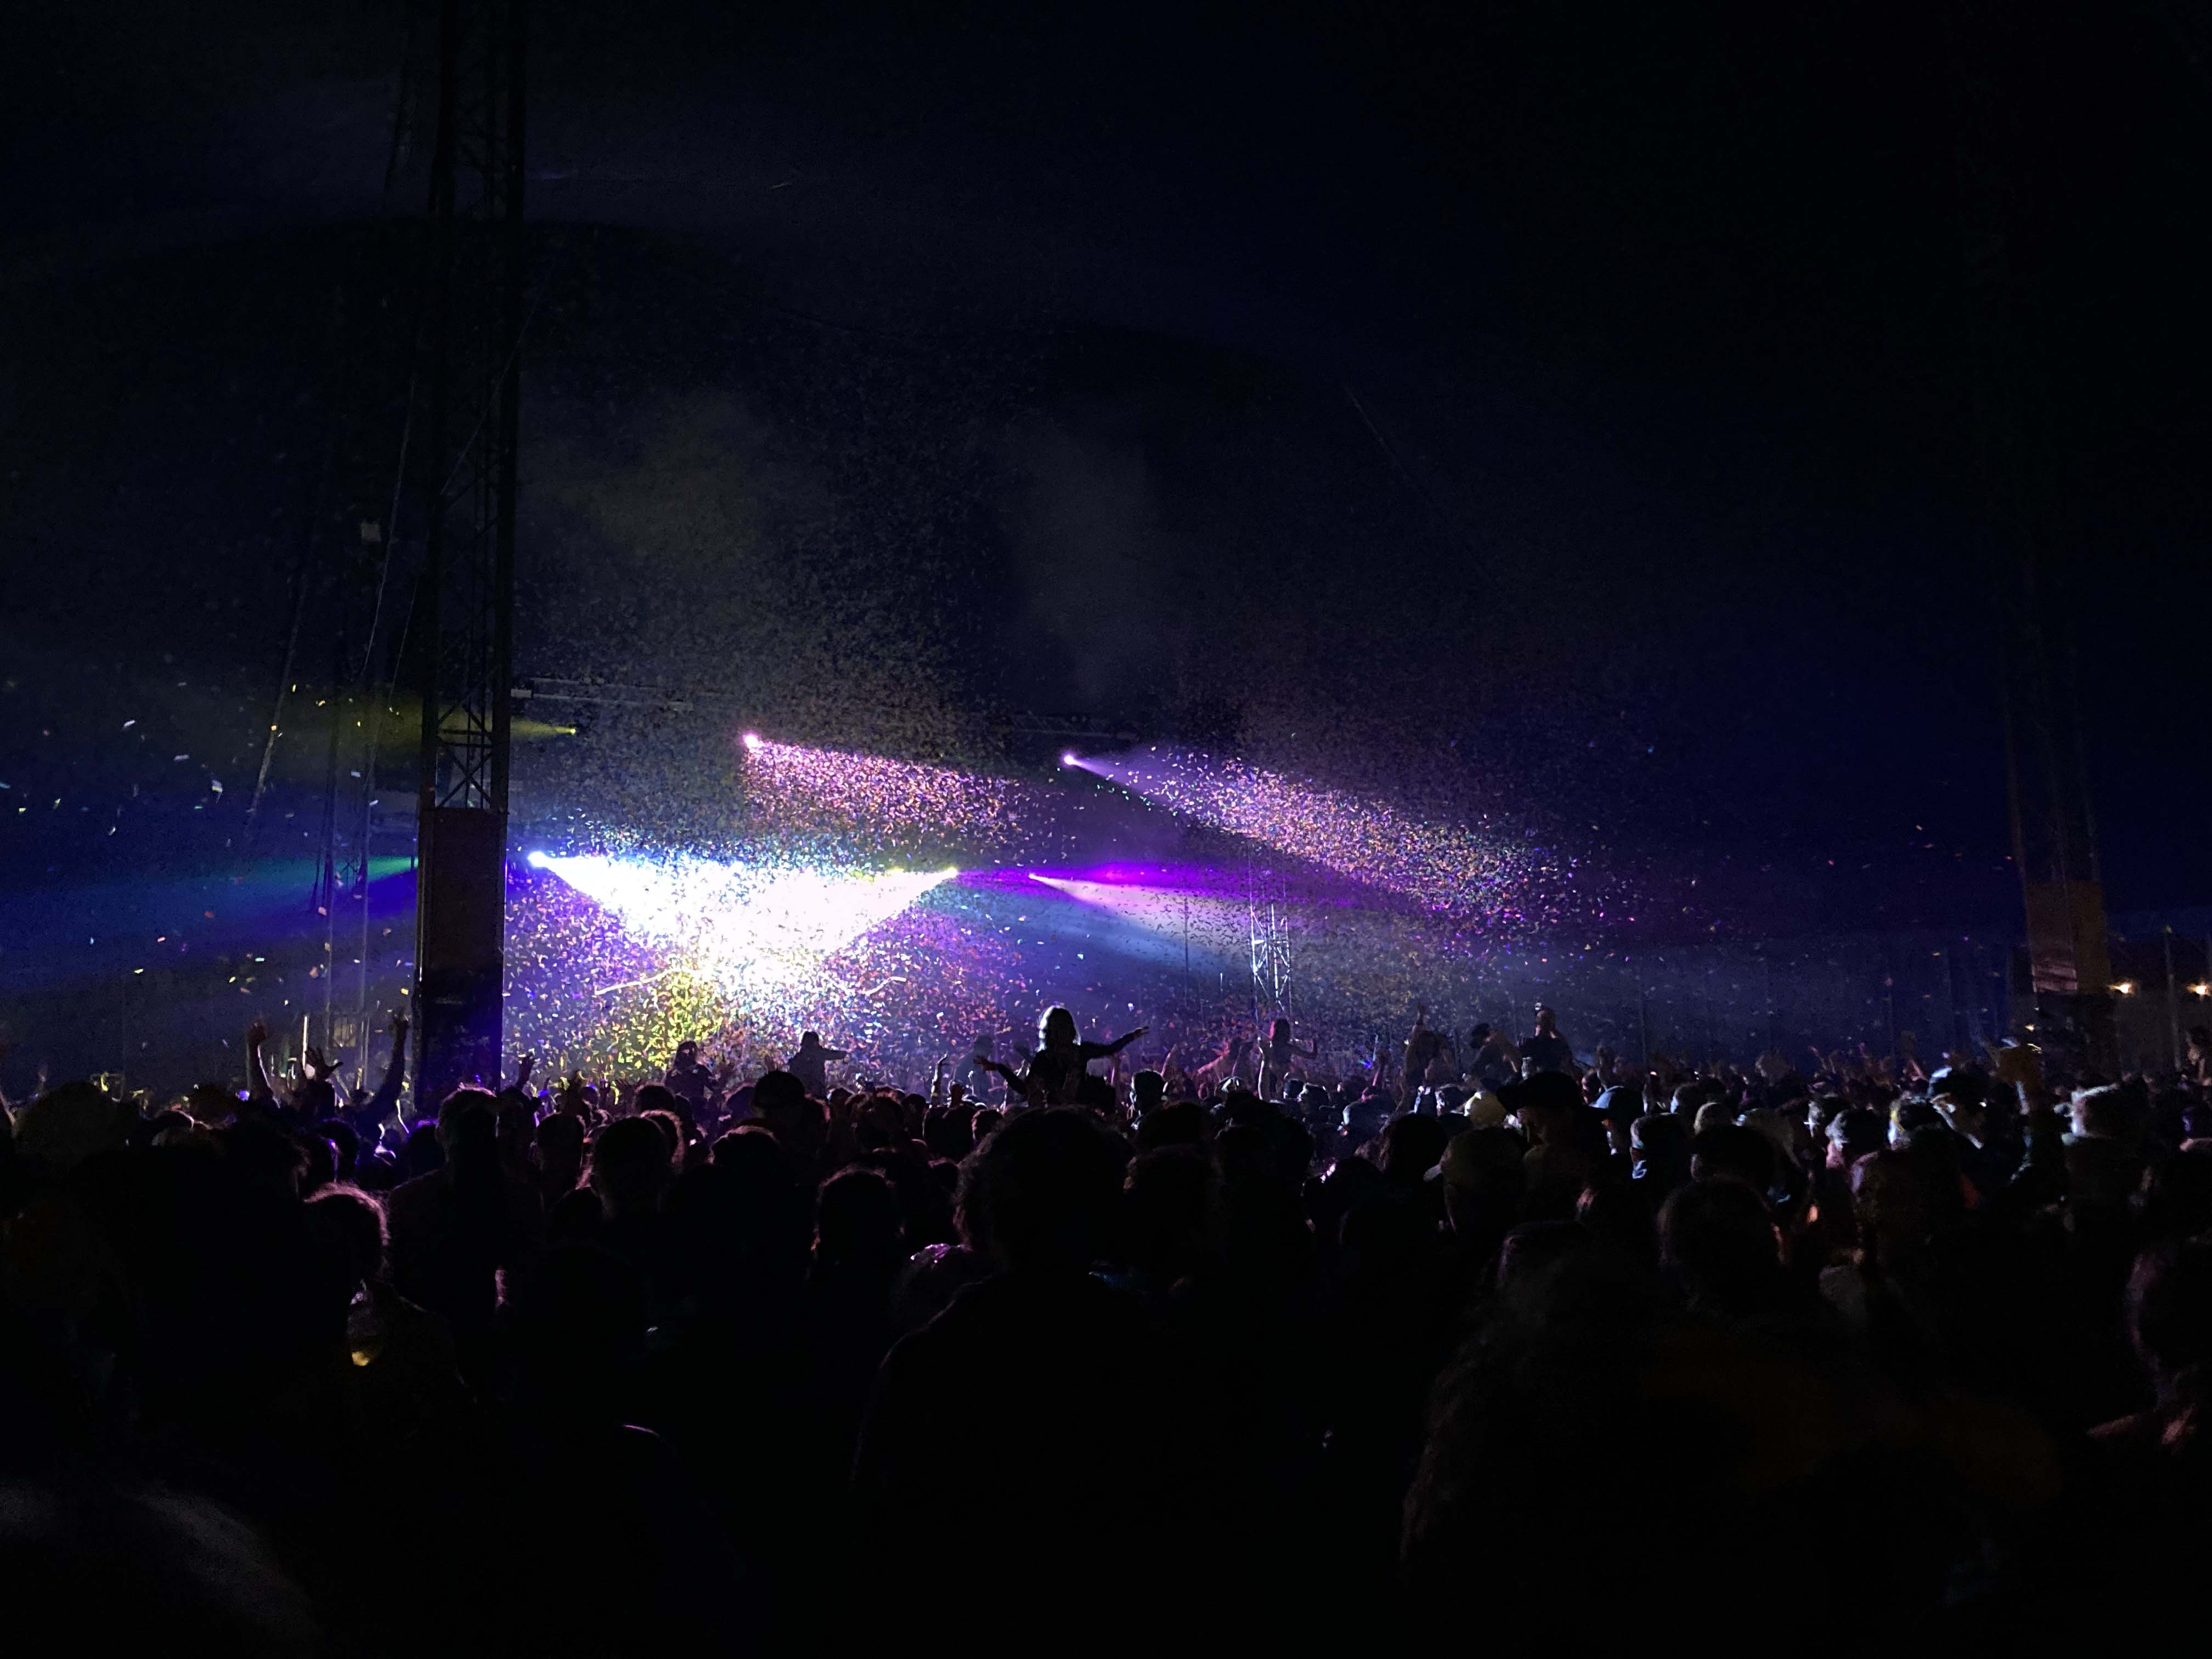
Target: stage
x: 904, y: 910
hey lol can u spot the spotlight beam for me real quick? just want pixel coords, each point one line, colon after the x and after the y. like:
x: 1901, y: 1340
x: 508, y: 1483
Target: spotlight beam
x: 739, y: 924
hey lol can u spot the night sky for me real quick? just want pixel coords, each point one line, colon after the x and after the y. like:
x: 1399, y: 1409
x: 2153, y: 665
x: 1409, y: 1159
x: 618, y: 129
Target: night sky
x: 1553, y: 409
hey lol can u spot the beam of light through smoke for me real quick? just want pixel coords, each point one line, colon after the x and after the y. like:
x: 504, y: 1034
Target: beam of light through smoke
x: 1170, y: 911
x: 1449, y: 869
x: 874, y: 804
x: 753, y: 929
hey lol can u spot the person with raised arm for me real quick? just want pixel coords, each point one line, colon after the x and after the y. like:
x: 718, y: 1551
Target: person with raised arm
x: 1277, y: 1054
x: 368, y: 1117
x: 1055, y: 1073
x: 809, y: 1063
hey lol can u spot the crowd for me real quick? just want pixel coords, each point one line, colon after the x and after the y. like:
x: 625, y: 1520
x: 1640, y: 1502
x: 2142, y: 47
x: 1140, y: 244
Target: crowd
x: 1488, y: 1343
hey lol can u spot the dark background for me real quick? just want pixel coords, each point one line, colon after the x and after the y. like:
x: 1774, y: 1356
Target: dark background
x: 1554, y: 410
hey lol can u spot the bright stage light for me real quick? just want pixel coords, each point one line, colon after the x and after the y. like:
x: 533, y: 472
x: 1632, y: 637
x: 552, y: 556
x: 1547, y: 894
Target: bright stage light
x: 1166, y: 906
x: 536, y: 860
x: 1068, y: 758
x: 752, y: 741
x: 747, y: 926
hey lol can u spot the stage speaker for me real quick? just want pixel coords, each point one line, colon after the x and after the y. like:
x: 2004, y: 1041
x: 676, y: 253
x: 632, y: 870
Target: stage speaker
x: 461, y: 951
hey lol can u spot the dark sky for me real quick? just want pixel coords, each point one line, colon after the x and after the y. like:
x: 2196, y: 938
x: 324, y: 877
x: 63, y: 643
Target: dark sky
x: 1555, y: 406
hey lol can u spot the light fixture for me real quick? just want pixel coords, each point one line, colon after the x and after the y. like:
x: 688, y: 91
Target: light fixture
x: 752, y: 741
x: 2125, y: 987
x: 1068, y: 757
x: 2201, y: 989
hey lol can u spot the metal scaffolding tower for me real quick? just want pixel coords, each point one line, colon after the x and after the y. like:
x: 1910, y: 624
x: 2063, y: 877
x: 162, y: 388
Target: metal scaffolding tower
x: 2028, y: 540
x: 1268, y: 911
x: 465, y: 611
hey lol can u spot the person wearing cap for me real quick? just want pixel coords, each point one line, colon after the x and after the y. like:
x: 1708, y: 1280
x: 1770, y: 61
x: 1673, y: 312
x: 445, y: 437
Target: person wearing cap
x: 1617, y: 1108
x: 1549, y: 1106
x: 1484, y: 1110
x: 1147, y: 1091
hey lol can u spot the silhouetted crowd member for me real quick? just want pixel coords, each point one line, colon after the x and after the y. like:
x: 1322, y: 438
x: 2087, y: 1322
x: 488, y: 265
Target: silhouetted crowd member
x: 1529, y: 1355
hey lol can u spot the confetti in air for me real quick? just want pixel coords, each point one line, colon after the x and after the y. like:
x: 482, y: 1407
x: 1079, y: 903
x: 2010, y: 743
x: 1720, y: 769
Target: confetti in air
x: 748, y: 928
x: 1449, y: 869
x: 873, y: 805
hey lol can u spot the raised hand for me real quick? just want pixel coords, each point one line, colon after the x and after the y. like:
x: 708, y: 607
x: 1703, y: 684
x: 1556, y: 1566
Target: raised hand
x: 2020, y: 1064
x: 257, y: 1034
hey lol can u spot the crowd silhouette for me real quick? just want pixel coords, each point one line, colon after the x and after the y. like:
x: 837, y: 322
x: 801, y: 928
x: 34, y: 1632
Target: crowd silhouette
x: 1487, y: 1344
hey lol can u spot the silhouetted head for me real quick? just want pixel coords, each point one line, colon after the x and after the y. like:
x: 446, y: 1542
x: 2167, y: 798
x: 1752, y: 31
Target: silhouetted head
x: 1730, y: 1149
x: 2179, y: 1202
x: 1889, y: 1202
x: 1855, y: 1132
x: 345, y: 1142
x: 1548, y: 1103
x: 467, y: 1116
x: 2170, y: 1313
x: 1910, y: 1115
x: 2114, y: 1112
x: 1180, y: 1124
x: 1411, y: 1146
x: 351, y: 1222
x: 1169, y: 1206
x: 422, y: 1153
x: 1484, y: 1173
x: 857, y: 1225
x: 1056, y: 1027
x: 796, y: 1120
x: 1719, y: 1238
x: 68, y: 1124
x: 560, y: 1142
x: 1529, y: 1252
x: 1659, y: 1153
x: 630, y: 1167
x: 1041, y: 1192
